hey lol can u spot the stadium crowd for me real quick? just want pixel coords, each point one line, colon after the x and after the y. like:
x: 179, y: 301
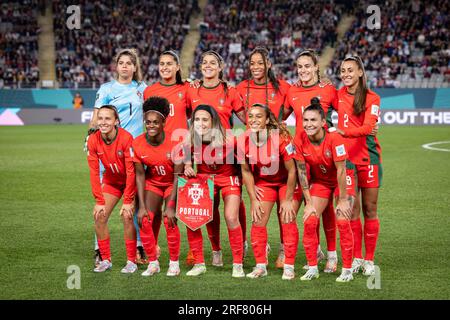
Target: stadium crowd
x: 18, y: 43
x: 409, y: 50
x: 83, y: 56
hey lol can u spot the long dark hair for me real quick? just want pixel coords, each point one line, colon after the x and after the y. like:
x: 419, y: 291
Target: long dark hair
x: 359, y: 104
x: 221, y: 63
x: 267, y: 72
x: 312, y: 54
x: 175, y: 57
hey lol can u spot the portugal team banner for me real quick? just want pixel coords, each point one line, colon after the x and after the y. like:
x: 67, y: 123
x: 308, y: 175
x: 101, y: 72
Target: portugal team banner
x: 195, y: 200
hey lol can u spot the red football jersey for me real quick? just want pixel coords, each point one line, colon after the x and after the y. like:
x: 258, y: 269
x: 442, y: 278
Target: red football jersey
x: 298, y: 98
x: 218, y: 161
x: 362, y: 148
x: 267, y: 161
x: 252, y: 93
x: 117, y: 160
x: 321, y: 158
x: 176, y: 94
x: 158, y: 159
x: 225, y: 105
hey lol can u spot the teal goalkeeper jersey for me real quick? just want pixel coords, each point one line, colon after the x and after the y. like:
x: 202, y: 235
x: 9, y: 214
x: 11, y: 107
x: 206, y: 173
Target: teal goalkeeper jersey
x: 128, y: 99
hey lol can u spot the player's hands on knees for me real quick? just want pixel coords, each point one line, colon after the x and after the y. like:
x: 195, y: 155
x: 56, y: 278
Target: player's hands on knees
x: 99, y: 211
x: 309, y: 211
x: 189, y: 171
x: 259, y: 193
x: 257, y: 210
x: 343, y: 208
x: 127, y: 211
x: 142, y: 214
x: 170, y: 214
x: 287, y: 211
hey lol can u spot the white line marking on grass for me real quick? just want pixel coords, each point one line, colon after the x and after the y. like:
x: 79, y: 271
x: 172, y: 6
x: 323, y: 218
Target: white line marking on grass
x: 429, y: 146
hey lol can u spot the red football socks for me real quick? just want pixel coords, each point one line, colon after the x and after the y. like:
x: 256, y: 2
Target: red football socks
x: 148, y: 239
x: 105, y: 249
x: 290, y: 236
x: 357, y: 238
x: 310, y: 240
x: 173, y: 240
x: 346, y: 241
x: 236, y: 244
x: 371, y: 230
x: 195, y: 239
x: 130, y: 246
x: 259, y: 243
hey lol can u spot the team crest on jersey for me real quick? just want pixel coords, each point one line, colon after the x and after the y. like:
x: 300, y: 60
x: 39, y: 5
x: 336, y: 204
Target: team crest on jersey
x: 139, y: 94
x: 273, y: 95
x: 221, y: 101
x: 120, y: 153
x: 180, y: 95
x: 168, y: 155
x: 328, y: 153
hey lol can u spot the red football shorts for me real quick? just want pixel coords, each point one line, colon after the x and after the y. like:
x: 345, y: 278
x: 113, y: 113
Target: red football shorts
x: 114, y: 189
x: 350, y: 182
x: 162, y: 191
x: 369, y: 176
x: 278, y: 193
x: 228, y: 185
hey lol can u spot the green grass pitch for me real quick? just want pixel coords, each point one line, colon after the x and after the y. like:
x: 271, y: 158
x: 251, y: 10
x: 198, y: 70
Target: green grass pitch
x: 46, y: 226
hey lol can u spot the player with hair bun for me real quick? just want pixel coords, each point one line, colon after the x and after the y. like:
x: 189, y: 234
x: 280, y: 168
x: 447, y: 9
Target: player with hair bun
x: 297, y: 99
x: 325, y: 154
x: 156, y: 185
x: 111, y: 146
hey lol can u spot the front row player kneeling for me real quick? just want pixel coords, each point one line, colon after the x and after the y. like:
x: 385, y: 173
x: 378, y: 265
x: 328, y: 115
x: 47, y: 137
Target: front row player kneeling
x: 112, y: 146
x: 325, y: 154
x: 155, y: 185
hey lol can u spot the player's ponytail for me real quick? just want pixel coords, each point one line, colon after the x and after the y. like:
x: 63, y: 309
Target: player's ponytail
x: 359, y: 104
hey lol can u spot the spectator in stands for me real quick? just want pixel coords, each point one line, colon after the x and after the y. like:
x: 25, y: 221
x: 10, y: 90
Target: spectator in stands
x: 78, y: 101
